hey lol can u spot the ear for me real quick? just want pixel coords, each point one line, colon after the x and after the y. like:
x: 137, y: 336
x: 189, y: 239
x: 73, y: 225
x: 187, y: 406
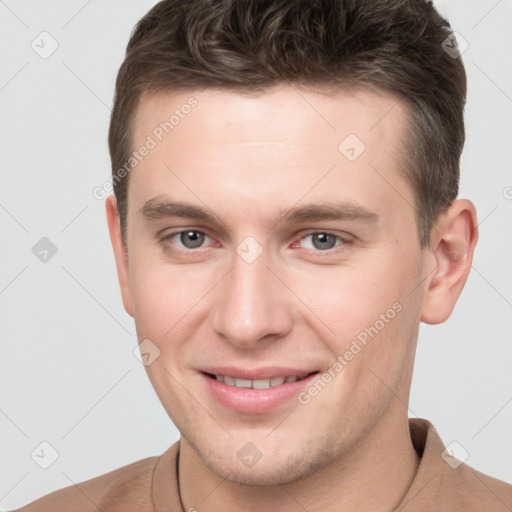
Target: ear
x: 453, y: 245
x: 120, y: 252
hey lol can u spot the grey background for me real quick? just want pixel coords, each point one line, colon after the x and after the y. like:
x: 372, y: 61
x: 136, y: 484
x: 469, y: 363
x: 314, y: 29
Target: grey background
x: 67, y: 372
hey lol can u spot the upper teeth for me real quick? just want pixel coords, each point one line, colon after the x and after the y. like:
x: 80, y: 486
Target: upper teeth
x: 258, y: 383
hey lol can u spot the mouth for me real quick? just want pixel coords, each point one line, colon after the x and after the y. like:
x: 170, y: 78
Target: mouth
x: 264, y: 392
x: 257, y: 383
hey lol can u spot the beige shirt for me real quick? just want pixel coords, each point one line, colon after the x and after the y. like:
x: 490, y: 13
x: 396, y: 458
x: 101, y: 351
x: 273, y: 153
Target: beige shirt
x: 151, y: 485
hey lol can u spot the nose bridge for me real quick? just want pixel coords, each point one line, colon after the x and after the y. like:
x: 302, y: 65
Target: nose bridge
x: 251, y: 304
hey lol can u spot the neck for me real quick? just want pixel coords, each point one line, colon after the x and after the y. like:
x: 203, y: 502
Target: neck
x: 374, y: 475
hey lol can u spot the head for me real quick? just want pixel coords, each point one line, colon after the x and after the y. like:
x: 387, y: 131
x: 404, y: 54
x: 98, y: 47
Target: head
x: 309, y: 154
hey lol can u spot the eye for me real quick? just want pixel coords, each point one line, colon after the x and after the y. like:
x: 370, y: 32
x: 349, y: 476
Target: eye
x: 189, y: 239
x: 321, y: 241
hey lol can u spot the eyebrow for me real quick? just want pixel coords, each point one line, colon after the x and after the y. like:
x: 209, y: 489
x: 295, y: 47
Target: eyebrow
x: 159, y: 207
x: 329, y: 211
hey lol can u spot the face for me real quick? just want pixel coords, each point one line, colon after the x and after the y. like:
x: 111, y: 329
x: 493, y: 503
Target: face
x: 272, y: 242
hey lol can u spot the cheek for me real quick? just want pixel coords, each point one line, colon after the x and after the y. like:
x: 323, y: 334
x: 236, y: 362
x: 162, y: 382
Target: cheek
x: 349, y: 298
x: 365, y: 315
x: 372, y: 355
x: 163, y: 296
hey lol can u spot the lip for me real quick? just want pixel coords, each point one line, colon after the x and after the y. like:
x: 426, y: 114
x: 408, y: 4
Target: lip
x: 255, y: 401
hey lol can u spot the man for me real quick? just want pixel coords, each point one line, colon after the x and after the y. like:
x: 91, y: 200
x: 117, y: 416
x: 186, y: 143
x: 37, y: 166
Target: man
x: 285, y: 215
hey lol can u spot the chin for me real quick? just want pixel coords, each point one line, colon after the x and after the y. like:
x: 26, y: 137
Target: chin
x: 264, y: 475
x: 279, y: 469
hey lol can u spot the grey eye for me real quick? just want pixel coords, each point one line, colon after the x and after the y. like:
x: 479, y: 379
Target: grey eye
x: 323, y: 241
x: 191, y: 239
x: 320, y: 241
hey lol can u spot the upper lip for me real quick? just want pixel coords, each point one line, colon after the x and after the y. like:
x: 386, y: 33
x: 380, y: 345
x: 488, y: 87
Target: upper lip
x: 268, y: 372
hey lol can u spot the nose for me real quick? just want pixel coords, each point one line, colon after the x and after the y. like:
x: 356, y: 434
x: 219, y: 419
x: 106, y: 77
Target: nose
x: 253, y: 306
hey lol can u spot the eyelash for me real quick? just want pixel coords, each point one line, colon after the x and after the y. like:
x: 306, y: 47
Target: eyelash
x: 333, y: 250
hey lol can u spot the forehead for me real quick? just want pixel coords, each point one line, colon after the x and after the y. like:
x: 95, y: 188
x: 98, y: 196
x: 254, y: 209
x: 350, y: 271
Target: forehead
x: 271, y: 147
x: 267, y: 114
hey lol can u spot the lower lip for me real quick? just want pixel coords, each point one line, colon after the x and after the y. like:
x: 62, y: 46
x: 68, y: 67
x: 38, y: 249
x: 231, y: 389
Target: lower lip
x: 254, y: 401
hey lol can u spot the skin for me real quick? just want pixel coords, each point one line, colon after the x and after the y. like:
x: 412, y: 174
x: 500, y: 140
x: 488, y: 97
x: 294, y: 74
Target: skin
x: 247, y: 159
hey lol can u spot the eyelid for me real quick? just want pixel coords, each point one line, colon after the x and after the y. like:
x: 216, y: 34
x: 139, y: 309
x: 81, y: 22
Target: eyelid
x: 170, y: 235
x: 344, y: 239
x: 345, y: 236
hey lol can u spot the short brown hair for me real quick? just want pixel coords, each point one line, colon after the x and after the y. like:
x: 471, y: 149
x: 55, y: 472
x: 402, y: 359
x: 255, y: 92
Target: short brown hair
x: 394, y: 46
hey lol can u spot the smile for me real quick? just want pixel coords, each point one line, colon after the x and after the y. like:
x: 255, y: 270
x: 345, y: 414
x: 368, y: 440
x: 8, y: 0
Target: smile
x: 257, y: 383
x: 257, y: 395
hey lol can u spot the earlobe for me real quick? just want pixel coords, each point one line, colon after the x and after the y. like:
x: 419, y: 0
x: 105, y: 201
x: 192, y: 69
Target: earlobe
x: 455, y: 240
x: 120, y: 252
